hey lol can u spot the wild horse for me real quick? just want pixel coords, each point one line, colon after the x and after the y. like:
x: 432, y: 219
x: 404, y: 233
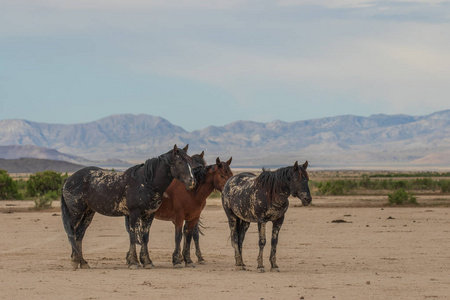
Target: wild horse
x: 259, y: 199
x: 136, y: 194
x: 180, y: 205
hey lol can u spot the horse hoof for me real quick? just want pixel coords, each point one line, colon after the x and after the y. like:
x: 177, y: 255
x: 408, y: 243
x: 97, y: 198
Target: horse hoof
x: 261, y: 270
x: 240, y: 268
x: 177, y: 266
x: 85, y: 266
x: 275, y: 270
x: 148, y: 266
x: 201, y: 262
x: 190, y: 265
x: 74, y: 265
x: 133, y: 267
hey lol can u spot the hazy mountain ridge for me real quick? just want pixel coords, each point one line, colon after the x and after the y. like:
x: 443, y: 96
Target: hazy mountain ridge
x: 33, y: 165
x: 335, y: 141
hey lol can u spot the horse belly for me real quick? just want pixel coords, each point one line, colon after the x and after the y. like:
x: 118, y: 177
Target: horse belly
x: 108, y: 206
x: 247, y: 208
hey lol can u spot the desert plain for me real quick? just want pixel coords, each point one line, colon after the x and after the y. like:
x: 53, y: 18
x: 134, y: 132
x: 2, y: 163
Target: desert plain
x: 338, y: 248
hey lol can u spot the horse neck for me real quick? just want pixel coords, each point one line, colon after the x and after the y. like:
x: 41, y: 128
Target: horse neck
x: 206, y: 187
x: 162, y: 177
x: 281, y: 192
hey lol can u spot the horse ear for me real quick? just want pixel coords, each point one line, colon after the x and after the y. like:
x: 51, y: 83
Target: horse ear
x: 186, y: 148
x: 218, y: 162
x: 202, y: 154
x: 175, y: 149
x: 229, y: 161
x: 296, y: 166
x: 305, y: 165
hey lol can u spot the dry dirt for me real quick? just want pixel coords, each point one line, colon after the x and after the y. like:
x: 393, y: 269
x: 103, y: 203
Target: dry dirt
x: 377, y: 253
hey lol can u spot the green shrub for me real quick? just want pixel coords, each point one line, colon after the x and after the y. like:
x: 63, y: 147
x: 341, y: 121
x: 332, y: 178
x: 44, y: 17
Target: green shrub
x: 336, y: 187
x: 42, y: 182
x: 424, y: 184
x: 444, y: 184
x: 365, y: 181
x: 400, y: 197
x: 46, y: 200
x: 215, y: 194
x: 8, y: 187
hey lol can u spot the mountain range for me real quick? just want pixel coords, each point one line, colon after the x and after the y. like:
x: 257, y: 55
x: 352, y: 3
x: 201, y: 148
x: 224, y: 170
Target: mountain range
x: 374, y: 142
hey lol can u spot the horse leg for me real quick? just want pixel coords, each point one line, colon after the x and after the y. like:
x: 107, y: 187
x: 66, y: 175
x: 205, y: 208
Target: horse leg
x: 275, y: 231
x: 178, y: 237
x: 81, y: 221
x: 188, y: 233
x: 262, y: 243
x: 144, y: 256
x: 242, y: 229
x: 131, y: 224
x: 233, y: 222
x: 196, y: 236
x: 80, y: 231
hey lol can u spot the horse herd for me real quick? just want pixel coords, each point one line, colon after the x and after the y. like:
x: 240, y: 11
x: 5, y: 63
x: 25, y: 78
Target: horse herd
x: 174, y: 187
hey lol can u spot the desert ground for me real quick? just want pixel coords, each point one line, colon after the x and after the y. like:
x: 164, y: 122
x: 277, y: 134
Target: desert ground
x: 374, y: 252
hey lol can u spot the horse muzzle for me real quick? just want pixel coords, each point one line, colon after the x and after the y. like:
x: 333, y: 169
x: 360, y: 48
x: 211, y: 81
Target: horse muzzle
x: 190, y: 184
x: 306, y: 199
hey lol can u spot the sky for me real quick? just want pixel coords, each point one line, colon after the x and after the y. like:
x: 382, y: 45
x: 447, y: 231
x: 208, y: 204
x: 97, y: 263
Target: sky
x: 208, y: 62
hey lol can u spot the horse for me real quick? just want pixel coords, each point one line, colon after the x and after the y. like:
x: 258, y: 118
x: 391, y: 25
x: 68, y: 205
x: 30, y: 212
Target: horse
x: 198, y: 160
x: 259, y: 199
x: 180, y: 205
x: 136, y: 194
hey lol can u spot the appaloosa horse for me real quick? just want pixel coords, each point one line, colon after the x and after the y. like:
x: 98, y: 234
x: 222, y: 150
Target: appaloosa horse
x: 180, y: 205
x: 136, y: 194
x: 249, y: 198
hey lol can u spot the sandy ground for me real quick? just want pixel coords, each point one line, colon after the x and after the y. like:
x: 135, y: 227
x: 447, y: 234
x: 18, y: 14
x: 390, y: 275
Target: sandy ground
x: 380, y: 253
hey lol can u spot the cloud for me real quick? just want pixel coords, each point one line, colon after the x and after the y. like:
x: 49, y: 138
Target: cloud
x: 393, y: 53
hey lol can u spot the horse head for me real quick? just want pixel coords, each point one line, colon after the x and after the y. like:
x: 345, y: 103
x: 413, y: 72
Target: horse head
x: 198, y: 160
x: 299, y: 183
x: 180, y: 168
x: 222, y: 173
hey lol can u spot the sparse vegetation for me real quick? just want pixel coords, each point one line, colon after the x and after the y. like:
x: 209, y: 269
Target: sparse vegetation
x: 41, y: 183
x: 45, y: 201
x: 215, y: 194
x: 400, y: 197
x: 367, y: 183
x: 8, y: 187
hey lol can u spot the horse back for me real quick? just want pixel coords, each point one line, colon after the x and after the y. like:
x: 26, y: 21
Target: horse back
x: 98, y: 189
x: 244, y: 198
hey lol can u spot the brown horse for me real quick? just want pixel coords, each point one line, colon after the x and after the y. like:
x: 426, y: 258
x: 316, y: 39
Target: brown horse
x: 180, y: 204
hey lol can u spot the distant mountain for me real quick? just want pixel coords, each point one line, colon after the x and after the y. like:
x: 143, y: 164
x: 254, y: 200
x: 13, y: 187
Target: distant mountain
x: 30, y: 151
x: 378, y: 141
x: 33, y: 165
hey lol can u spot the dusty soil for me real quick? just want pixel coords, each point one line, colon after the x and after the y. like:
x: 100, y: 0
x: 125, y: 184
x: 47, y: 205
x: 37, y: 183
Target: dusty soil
x: 374, y: 252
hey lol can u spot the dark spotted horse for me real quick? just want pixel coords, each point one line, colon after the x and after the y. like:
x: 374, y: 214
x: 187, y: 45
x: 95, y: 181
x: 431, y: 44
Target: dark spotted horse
x: 136, y: 194
x: 248, y: 198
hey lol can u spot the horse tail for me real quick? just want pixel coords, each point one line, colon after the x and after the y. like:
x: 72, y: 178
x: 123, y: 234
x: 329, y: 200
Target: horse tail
x: 65, y: 213
x: 200, y: 227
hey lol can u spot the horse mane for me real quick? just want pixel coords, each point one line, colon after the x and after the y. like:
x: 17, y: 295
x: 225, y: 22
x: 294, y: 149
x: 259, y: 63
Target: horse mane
x: 150, y: 166
x: 200, y: 174
x: 274, y: 181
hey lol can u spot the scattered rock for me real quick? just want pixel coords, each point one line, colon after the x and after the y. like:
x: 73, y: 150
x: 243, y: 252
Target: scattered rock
x: 391, y: 218
x: 340, y: 221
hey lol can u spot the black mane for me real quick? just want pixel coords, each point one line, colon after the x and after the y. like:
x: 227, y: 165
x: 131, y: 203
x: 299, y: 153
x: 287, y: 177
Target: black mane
x: 274, y: 181
x: 200, y: 174
x: 150, y: 166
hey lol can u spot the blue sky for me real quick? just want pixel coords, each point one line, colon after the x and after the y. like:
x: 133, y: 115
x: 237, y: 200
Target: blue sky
x: 207, y: 62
